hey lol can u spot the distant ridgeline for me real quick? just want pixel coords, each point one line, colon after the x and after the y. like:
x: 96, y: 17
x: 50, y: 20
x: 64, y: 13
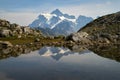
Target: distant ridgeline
x: 104, y: 30
x: 56, y: 23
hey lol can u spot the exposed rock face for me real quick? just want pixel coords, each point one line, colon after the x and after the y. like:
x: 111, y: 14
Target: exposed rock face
x: 10, y: 30
x: 5, y: 33
x: 81, y: 38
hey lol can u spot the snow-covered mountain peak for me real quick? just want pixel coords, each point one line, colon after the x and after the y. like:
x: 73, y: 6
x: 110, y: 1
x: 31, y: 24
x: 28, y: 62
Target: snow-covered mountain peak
x: 57, y: 12
x: 48, y: 16
x: 57, y: 23
x: 54, y: 52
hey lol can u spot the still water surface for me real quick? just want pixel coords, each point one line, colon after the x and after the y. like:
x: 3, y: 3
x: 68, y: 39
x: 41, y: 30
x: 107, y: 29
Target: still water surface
x: 58, y: 63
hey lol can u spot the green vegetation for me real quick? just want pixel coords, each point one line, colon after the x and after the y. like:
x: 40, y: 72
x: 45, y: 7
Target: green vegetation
x: 19, y: 41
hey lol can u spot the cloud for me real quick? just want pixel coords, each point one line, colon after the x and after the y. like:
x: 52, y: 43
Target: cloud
x: 107, y: 3
x: 93, y: 9
x: 22, y: 18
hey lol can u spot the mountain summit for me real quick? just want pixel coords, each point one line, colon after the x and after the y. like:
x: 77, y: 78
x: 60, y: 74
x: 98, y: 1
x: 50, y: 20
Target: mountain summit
x: 57, y: 12
x: 57, y: 23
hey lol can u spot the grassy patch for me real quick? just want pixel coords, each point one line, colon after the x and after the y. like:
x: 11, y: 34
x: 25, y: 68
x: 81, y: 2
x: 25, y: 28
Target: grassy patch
x: 22, y: 41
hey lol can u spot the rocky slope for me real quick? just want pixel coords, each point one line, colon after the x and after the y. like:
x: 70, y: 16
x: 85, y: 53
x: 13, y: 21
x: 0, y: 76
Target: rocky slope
x: 104, y: 30
x: 13, y: 34
x: 57, y: 23
x: 14, y: 30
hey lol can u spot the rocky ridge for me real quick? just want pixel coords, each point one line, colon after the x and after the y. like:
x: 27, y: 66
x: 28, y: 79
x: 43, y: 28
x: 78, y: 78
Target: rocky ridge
x: 14, y: 30
x: 104, y: 30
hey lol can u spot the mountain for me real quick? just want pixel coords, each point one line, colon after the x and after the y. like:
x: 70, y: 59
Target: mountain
x: 57, y: 12
x: 103, y: 30
x: 65, y: 28
x: 81, y: 21
x: 57, y: 52
x: 57, y: 23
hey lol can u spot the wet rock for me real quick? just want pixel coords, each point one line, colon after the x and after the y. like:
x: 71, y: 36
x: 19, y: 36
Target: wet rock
x: 5, y: 44
x: 78, y: 48
x: 6, y: 51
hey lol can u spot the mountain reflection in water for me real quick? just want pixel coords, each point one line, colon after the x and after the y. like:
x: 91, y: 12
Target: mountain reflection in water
x: 58, y: 63
x: 111, y: 52
x: 57, y: 52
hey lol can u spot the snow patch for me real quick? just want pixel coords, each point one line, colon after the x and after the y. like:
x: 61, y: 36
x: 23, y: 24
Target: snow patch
x: 48, y: 16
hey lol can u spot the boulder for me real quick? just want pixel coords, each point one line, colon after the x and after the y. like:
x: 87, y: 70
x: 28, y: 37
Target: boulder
x: 4, y: 23
x: 77, y: 37
x: 19, y: 31
x: 26, y: 30
x: 5, y: 33
x: 13, y: 26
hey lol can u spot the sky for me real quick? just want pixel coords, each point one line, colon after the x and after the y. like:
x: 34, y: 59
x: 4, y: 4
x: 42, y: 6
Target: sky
x: 23, y: 12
